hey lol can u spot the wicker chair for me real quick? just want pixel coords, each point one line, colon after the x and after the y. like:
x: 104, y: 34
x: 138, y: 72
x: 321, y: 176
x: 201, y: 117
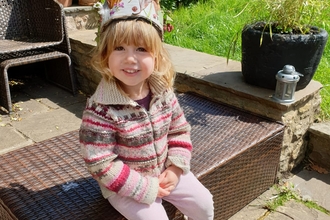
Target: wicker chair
x: 34, y: 33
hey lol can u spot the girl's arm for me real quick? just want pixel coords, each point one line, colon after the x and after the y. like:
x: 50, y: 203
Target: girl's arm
x: 179, y: 143
x: 97, y: 143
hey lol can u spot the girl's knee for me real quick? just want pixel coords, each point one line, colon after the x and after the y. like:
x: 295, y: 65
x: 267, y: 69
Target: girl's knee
x: 208, y: 205
x: 205, y: 198
x: 202, y: 207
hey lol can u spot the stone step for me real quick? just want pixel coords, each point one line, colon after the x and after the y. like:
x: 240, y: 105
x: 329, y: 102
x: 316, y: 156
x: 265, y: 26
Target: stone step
x: 319, y: 145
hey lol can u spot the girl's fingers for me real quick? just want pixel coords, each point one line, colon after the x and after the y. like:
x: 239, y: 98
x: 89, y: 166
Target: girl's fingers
x: 162, y: 192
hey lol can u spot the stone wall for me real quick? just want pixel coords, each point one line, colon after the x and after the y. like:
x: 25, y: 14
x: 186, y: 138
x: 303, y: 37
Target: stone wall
x: 297, y: 117
x: 81, y: 55
x: 211, y: 77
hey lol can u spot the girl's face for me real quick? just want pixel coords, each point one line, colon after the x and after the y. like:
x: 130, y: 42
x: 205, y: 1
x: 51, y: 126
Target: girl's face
x: 131, y: 65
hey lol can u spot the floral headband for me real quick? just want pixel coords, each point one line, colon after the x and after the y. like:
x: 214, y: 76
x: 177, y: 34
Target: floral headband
x: 148, y: 10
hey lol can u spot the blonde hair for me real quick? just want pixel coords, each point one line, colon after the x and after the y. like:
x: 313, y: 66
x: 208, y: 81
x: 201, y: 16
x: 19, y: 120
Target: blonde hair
x: 137, y: 32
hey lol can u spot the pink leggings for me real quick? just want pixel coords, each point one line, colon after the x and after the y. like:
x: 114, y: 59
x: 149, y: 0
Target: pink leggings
x: 190, y: 197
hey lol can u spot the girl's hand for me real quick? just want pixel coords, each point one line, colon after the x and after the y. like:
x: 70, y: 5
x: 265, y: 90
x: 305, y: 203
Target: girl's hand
x: 168, y: 180
x: 162, y: 192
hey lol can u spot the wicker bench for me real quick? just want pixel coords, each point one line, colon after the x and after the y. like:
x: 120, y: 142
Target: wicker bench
x: 235, y: 156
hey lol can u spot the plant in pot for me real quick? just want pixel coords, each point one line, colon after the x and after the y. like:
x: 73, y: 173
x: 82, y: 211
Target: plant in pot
x: 281, y: 32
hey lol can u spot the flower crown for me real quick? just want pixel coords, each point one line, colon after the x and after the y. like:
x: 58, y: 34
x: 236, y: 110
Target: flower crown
x: 147, y: 10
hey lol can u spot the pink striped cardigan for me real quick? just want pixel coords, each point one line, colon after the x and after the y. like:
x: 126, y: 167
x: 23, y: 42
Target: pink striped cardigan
x: 126, y: 148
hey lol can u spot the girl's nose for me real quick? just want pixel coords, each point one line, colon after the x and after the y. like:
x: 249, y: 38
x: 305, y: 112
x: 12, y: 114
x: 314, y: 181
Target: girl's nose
x: 130, y: 56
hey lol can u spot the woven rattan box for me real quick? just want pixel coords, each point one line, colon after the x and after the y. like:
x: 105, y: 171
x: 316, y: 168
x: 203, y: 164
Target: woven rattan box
x: 236, y: 155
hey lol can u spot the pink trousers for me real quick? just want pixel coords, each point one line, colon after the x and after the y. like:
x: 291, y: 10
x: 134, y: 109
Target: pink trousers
x: 190, y: 197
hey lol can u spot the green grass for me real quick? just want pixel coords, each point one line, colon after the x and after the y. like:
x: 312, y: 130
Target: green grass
x: 209, y: 27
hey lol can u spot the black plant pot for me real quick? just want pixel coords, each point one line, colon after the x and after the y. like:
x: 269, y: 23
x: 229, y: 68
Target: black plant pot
x: 260, y: 64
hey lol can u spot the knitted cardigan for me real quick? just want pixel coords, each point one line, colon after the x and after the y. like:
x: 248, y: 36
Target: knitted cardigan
x: 126, y: 148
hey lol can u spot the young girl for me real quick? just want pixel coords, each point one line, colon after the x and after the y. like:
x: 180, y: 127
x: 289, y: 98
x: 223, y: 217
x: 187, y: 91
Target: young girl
x: 134, y: 137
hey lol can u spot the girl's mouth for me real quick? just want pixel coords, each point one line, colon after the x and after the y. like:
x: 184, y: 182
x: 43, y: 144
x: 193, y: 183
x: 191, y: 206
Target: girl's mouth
x: 130, y: 71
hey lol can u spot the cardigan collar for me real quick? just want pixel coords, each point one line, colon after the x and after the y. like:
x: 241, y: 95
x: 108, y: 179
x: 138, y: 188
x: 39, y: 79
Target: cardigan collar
x: 107, y: 92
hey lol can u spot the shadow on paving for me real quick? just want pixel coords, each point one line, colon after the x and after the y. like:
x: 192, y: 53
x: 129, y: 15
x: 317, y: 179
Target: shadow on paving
x: 28, y: 82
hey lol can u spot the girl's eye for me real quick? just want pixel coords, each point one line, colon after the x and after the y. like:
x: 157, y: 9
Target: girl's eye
x: 119, y: 48
x: 141, y: 49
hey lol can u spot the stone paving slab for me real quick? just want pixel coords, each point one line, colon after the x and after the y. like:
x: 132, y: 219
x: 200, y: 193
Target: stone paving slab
x: 255, y: 209
x: 42, y: 110
x: 310, y: 185
x: 321, y: 129
x: 29, y: 108
x: 314, y: 186
x: 11, y: 139
x: 48, y: 124
x: 54, y: 97
x: 296, y: 211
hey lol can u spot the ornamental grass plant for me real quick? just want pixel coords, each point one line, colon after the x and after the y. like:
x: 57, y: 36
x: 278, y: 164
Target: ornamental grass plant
x: 286, y: 16
x: 209, y: 27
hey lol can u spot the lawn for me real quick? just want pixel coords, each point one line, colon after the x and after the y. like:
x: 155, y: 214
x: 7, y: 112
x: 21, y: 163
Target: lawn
x: 209, y: 27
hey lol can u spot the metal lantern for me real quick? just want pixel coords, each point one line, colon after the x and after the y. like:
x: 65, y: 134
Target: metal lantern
x: 287, y: 79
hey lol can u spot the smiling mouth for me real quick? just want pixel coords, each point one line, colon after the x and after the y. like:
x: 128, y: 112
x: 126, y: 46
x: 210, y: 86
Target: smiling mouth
x: 131, y: 71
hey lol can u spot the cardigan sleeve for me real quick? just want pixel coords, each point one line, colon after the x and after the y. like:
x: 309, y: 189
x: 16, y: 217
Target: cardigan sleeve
x: 97, y: 141
x: 179, y: 142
